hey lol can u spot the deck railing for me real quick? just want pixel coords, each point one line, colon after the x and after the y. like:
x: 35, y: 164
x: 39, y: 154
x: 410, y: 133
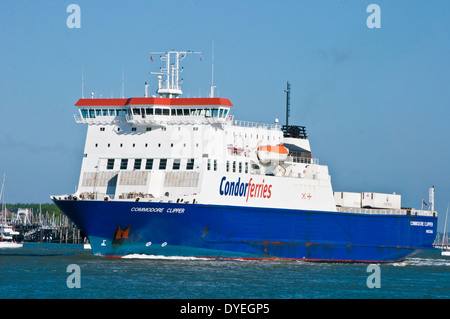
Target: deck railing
x: 377, y: 211
x: 255, y: 125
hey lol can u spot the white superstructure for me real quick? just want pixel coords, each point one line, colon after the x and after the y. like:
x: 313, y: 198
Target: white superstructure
x: 171, y: 149
x: 168, y: 148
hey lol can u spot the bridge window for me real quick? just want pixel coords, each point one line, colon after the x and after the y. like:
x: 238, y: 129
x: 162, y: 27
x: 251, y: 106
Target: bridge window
x: 121, y: 112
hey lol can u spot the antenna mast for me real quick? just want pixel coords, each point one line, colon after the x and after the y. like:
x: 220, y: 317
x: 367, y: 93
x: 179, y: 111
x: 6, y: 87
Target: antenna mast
x: 169, y: 86
x: 288, y: 101
x: 212, y: 72
x: 123, y: 82
x: 431, y: 198
x: 82, y: 83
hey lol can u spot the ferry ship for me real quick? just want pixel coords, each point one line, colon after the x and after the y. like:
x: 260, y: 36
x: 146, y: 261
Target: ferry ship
x: 170, y: 176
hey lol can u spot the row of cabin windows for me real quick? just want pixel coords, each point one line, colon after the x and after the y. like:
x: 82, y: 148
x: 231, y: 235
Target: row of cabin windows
x: 214, y: 164
x: 93, y: 113
x: 237, y: 167
x: 148, y: 164
x: 146, y: 144
x: 147, y: 129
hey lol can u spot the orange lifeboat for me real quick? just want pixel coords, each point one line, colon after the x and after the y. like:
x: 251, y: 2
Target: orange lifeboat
x: 276, y: 153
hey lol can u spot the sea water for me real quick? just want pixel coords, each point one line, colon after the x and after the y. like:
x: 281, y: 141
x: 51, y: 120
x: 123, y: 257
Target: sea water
x: 67, y: 271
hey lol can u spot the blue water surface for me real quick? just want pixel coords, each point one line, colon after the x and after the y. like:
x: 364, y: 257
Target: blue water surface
x: 43, y: 270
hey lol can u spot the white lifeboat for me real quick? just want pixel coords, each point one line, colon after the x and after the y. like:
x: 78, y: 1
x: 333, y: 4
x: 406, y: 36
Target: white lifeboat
x: 274, y: 154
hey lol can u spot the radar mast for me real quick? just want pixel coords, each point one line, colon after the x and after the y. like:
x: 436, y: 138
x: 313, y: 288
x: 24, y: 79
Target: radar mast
x: 168, y: 77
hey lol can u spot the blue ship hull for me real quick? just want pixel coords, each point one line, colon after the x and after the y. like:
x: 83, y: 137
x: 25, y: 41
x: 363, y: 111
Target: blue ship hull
x: 119, y: 228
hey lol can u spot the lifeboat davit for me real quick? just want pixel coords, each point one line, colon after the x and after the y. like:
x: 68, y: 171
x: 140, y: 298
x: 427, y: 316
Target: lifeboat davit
x: 274, y: 154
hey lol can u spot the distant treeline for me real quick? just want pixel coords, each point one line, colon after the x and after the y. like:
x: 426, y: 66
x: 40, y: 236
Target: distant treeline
x: 47, y: 207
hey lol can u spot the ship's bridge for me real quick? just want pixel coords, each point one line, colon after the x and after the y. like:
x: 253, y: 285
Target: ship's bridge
x: 153, y: 110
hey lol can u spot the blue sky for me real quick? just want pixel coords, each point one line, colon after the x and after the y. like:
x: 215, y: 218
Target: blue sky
x: 375, y: 101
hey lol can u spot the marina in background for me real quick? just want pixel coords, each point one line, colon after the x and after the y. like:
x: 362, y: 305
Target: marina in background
x: 6, y: 230
x: 33, y: 224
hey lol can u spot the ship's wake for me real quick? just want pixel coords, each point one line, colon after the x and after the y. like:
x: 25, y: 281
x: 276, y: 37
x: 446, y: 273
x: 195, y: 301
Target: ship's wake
x: 423, y: 262
x: 160, y: 257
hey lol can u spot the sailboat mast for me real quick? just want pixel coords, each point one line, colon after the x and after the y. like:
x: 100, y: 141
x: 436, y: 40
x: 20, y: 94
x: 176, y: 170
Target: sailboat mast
x: 3, y: 201
x: 445, y: 228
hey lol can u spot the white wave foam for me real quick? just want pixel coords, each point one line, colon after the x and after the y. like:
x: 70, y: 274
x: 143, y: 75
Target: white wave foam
x: 143, y: 256
x: 423, y: 262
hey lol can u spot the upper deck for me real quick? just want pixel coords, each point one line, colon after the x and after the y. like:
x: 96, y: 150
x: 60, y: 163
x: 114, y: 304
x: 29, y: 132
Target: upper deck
x: 162, y: 101
x: 152, y: 110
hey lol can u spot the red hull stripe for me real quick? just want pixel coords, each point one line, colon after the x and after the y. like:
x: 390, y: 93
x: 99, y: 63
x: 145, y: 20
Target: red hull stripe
x: 217, y: 101
x: 278, y: 259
